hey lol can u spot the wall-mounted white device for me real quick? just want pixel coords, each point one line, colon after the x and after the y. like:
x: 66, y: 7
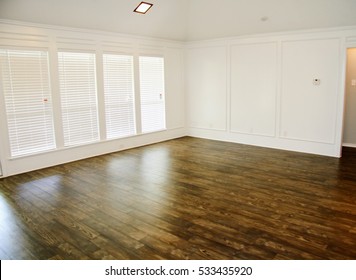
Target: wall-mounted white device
x: 316, y: 82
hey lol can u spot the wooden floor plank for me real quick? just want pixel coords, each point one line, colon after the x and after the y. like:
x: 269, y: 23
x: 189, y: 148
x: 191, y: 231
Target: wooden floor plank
x: 187, y: 198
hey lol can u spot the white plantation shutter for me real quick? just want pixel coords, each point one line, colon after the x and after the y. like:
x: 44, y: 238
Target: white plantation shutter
x: 119, y: 95
x: 78, y: 97
x: 27, y: 94
x: 152, y: 93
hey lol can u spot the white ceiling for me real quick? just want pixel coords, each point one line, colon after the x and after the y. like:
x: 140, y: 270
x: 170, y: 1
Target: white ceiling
x: 185, y: 20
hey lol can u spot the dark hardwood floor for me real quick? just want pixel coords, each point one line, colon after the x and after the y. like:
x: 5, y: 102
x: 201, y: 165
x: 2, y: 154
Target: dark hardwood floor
x: 187, y: 198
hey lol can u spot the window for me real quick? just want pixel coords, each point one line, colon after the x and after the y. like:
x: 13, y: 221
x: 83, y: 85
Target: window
x: 77, y: 80
x: 152, y: 93
x: 119, y: 95
x: 27, y: 95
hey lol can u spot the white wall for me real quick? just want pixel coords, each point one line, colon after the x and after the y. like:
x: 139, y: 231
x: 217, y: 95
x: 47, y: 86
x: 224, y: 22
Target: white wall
x: 350, y: 100
x: 174, y: 84
x: 253, y: 88
x: 24, y: 35
x: 268, y: 90
x: 308, y: 111
x: 207, y: 66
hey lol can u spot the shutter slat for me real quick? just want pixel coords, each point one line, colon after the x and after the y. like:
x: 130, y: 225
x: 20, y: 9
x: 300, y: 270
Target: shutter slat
x: 78, y: 97
x: 26, y: 86
x: 152, y: 93
x: 119, y: 95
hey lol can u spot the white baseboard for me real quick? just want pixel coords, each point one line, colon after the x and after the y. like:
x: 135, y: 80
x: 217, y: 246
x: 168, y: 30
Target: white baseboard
x: 60, y: 156
x: 351, y: 145
x: 310, y: 147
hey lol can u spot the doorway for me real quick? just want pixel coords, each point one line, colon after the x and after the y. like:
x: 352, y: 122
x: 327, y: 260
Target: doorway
x: 349, y: 134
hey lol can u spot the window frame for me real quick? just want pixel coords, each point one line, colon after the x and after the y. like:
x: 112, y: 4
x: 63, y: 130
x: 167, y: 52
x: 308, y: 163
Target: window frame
x: 95, y: 87
x: 4, y: 116
x: 133, y: 96
x: 153, y: 55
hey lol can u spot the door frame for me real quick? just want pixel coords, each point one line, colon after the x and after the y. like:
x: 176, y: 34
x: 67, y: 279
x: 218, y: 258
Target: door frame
x: 351, y: 45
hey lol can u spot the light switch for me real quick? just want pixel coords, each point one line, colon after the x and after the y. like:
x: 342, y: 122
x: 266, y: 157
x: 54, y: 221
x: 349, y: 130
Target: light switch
x: 353, y: 82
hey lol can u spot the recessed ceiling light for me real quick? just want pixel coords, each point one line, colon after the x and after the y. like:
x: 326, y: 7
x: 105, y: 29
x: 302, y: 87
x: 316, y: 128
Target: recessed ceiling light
x: 143, y: 7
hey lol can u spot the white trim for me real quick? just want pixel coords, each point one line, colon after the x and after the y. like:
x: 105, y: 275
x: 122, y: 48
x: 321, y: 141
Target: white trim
x: 88, y: 32
x: 267, y: 142
x: 273, y: 35
x: 70, y: 154
x: 303, y: 32
x: 351, y: 145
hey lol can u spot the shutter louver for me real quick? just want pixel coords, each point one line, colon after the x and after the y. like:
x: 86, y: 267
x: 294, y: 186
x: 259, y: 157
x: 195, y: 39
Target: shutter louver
x: 152, y: 93
x: 77, y: 79
x: 119, y: 95
x: 28, y: 101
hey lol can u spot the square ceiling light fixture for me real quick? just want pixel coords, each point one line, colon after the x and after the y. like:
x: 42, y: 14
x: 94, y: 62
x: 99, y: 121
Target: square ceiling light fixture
x: 143, y: 7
